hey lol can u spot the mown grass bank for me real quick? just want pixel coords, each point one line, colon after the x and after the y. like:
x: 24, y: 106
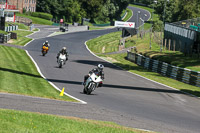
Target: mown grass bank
x: 19, y: 75
x: 21, y: 37
x: 128, y: 15
x: 36, y: 20
x: 20, y: 25
x: 23, y: 122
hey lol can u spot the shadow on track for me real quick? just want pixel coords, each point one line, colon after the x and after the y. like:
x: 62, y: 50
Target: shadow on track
x: 120, y: 86
x: 95, y: 63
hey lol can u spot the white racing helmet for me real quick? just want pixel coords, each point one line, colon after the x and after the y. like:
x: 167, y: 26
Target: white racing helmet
x: 64, y: 48
x: 100, y: 66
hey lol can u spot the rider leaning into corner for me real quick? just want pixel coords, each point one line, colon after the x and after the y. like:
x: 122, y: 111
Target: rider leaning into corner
x: 64, y: 52
x: 98, y: 71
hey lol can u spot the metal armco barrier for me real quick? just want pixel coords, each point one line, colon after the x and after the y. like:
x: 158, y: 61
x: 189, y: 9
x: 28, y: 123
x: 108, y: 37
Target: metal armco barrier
x: 11, y: 28
x: 4, y: 38
x: 181, y: 74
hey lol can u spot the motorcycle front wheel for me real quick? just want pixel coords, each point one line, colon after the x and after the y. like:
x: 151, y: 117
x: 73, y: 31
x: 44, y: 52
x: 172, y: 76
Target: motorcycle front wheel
x: 43, y: 53
x: 60, y: 64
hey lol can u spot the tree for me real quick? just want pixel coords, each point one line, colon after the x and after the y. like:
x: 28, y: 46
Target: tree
x: 188, y: 9
x: 91, y: 7
x: 75, y: 10
x: 177, y: 10
x: 165, y: 9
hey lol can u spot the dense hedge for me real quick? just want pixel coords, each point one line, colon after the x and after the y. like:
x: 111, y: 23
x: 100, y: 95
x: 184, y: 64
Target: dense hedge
x: 42, y: 15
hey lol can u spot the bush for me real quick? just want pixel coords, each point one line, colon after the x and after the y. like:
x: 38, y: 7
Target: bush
x: 157, y: 26
x: 42, y: 15
x: 24, y: 10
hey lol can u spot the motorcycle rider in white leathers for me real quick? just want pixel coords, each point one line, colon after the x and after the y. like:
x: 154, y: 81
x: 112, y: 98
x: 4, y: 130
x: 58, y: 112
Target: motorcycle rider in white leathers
x: 98, y: 71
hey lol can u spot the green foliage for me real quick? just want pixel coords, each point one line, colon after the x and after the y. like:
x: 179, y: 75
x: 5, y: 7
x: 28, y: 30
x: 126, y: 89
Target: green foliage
x: 187, y: 9
x: 74, y: 10
x: 43, y: 15
x: 157, y: 26
x: 24, y: 10
x: 141, y: 2
x: 173, y: 10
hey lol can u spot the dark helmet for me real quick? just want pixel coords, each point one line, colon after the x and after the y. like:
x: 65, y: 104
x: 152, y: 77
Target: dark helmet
x: 100, y: 67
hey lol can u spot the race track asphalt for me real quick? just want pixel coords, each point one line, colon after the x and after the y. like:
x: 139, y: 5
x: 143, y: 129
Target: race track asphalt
x: 125, y: 98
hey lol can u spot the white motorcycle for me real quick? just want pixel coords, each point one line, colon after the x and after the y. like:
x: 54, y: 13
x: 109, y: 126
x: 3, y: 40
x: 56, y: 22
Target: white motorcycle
x: 92, y: 83
x: 61, y: 60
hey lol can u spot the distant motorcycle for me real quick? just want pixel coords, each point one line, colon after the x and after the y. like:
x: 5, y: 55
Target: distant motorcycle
x: 44, y: 50
x: 92, y: 83
x: 61, y: 60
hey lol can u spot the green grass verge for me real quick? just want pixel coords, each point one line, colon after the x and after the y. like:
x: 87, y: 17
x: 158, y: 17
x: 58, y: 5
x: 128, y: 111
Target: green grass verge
x: 19, y: 75
x: 175, y: 58
x: 129, y: 14
x: 95, y: 28
x: 35, y: 29
x: 21, y: 39
x: 36, y: 20
x: 107, y: 43
x: 3, y: 32
x: 110, y: 43
x: 20, y: 25
x: 23, y: 122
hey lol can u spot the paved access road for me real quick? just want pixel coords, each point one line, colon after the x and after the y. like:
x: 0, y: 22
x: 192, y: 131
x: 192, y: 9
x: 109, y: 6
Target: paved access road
x: 125, y: 98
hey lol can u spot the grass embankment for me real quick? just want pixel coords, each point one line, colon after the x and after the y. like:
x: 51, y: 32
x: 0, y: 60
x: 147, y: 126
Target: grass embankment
x: 128, y: 15
x: 36, y: 20
x: 20, y: 25
x: 19, y: 75
x: 21, y: 34
x: 21, y: 122
x: 3, y: 32
x: 21, y: 37
x: 110, y: 43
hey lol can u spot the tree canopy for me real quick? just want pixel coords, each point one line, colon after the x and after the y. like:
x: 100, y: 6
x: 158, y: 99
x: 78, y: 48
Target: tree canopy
x: 173, y: 10
x: 74, y: 10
